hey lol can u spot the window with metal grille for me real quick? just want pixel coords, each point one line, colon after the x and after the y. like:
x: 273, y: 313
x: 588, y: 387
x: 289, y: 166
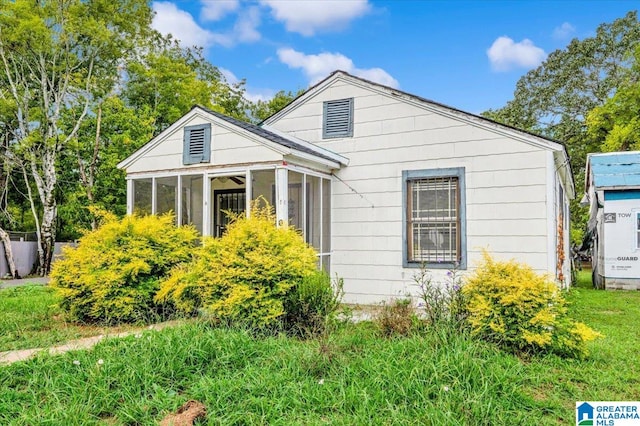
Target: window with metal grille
x: 435, y: 218
x: 338, y: 119
x: 197, y: 144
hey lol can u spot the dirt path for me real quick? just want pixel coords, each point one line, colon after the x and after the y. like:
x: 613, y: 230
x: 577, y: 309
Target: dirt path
x: 10, y: 357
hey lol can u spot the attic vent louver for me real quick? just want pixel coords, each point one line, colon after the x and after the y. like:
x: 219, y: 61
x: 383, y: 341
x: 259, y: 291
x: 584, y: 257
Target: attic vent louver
x: 196, y: 147
x: 338, y: 119
x: 197, y: 144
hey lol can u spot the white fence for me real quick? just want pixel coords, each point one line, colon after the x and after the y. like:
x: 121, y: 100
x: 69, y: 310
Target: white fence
x: 25, y: 255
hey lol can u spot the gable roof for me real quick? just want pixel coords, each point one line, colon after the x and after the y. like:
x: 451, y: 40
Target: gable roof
x: 615, y: 170
x: 474, y: 119
x: 279, y: 139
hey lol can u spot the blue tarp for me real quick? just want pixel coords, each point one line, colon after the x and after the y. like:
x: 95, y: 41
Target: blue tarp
x: 618, y: 169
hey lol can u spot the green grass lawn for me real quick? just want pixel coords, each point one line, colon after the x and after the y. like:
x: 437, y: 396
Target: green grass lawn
x: 353, y: 377
x: 30, y: 318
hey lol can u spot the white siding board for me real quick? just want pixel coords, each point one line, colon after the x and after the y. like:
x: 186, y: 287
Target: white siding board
x: 505, y: 186
x: 512, y: 194
x: 364, y: 214
x: 367, y: 257
x: 491, y: 211
x: 506, y: 178
x: 370, y: 242
x: 511, y: 227
x: 385, y: 112
x: 227, y: 148
x: 356, y: 229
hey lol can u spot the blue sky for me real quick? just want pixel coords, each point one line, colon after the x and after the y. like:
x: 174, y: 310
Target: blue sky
x: 466, y: 54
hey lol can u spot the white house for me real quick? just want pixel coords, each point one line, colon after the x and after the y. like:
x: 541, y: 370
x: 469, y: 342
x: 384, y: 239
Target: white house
x: 379, y: 181
x: 612, y: 190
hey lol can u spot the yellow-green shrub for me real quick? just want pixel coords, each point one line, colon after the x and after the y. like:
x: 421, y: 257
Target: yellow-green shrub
x: 243, y: 276
x: 509, y: 304
x: 115, y: 271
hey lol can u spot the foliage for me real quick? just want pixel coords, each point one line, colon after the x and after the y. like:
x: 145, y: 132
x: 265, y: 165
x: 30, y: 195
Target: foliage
x: 114, y: 273
x: 261, y: 110
x: 168, y: 81
x: 397, y: 318
x: 424, y: 379
x: 113, y: 83
x: 615, y: 125
x: 311, y: 304
x: 91, y: 177
x: 442, y: 302
x: 555, y: 98
x: 32, y: 318
x: 244, y: 276
x: 58, y: 57
x: 509, y: 304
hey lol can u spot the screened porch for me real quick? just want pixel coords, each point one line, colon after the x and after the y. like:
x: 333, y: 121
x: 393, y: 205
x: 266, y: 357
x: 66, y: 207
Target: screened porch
x: 301, y: 197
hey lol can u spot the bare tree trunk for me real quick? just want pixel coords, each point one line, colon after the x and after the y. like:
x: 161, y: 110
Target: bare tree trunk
x: 46, y: 184
x: 8, y: 253
x: 88, y: 179
x: 36, y: 219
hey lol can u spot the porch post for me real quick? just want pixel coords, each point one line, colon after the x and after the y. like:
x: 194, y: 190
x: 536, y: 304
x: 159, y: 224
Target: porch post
x: 179, y: 206
x: 129, y: 196
x: 248, y: 192
x: 206, y: 210
x: 282, y: 197
x: 154, y: 195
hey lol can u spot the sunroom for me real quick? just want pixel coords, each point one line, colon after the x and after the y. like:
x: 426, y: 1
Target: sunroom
x: 208, y: 165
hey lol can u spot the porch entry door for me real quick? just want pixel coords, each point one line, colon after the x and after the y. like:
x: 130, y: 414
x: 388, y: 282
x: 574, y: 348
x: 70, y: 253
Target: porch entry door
x: 227, y: 201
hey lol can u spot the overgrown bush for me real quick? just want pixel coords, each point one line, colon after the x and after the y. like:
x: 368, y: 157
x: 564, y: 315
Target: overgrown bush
x: 310, y: 304
x: 397, y: 318
x: 244, y: 276
x: 511, y: 305
x: 115, y: 271
x: 442, y: 303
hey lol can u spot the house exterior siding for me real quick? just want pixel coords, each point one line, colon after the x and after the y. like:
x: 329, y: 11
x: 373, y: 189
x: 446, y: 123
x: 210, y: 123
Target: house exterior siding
x: 227, y: 147
x: 612, y: 189
x: 507, y: 194
x: 516, y: 185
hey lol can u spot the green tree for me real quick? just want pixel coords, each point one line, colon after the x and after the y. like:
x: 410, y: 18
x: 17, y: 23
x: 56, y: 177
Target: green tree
x: 56, y: 57
x: 556, y: 98
x: 615, y: 125
x: 261, y: 110
x: 170, y: 80
x: 90, y: 174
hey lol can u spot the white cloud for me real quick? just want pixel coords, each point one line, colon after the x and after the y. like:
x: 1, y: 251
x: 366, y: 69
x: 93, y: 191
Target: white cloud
x: 308, y: 17
x: 169, y: 19
x: 250, y: 94
x: 317, y: 67
x: 245, y: 28
x: 213, y: 10
x: 255, y: 95
x: 228, y: 75
x: 563, y: 31
x: 505, y: 54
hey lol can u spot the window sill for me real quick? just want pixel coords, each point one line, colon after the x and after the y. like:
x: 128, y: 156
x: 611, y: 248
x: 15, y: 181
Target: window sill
x: 435, y: 265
